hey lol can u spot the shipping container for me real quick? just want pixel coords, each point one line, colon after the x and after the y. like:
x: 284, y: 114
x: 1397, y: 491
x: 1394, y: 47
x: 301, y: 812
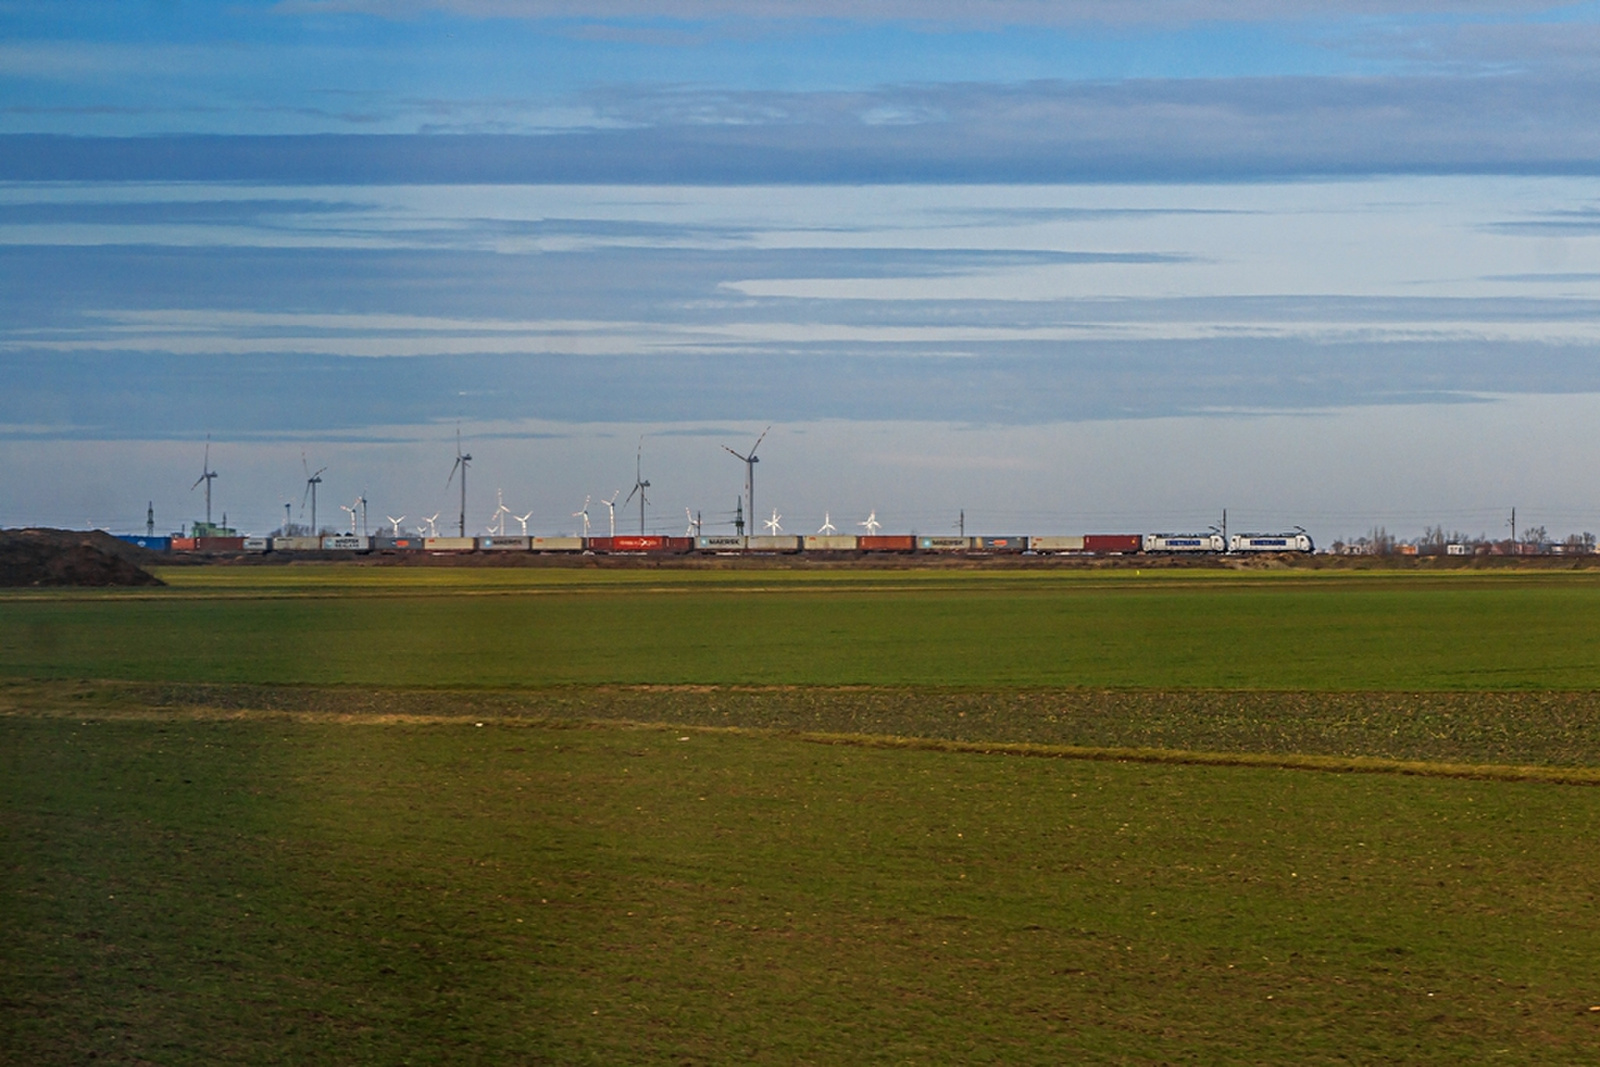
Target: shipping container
x: 219, y: 544
x: 943, y: 544
x: 624, y: 543
x: 556, y: 544
x: 154, y: 544
x: 1056, y: 544
x: 296, y: 544
x: 1112, y: 544
x: 448, y: 544
x: 398, y: 544
x: 1001, y: 544
x: 1183, y: 543
x: 719, y: 543
x: 256, y: 544
x: 679, y: 544
x: 830, y: 542
x: 887, y: 543
x: 777, y: 543
x: 183, y: 544
x: 502, y: 544
x: 346, y: 543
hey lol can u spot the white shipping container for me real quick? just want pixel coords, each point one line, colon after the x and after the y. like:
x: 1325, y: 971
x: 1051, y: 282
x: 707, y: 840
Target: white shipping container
x: 449, y: 544
x: 255, y: 544
x: 346, y: 543
x: 1056, y: 544
x: 944, y: 544
x: 503, y: 544
x: 297, y: 544
x: 556, y: 544
x: 719, y: 543
x: 832, y: 543
x: 779, y: 543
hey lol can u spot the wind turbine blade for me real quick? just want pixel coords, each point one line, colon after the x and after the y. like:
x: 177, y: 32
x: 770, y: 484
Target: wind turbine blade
x: 630, y: 495
x: 197, y: 482
x: 763, y: 437
x: 735, y: 455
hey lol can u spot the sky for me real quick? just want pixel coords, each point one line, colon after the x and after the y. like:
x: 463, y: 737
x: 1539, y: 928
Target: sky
x: 1058, y: 267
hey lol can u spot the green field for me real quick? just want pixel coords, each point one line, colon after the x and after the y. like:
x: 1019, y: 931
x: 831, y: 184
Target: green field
x: 254, y: 818
x: 453, y: 628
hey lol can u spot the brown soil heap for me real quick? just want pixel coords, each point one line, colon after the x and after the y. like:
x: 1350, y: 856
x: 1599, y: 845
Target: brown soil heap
x: 70, y: 557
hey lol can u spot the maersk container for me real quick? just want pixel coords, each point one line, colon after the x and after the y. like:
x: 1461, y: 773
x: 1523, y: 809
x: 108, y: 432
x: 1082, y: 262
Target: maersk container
x: 296, y: 544
x: 1183, y: 543
x: 1113, y: 544
x: 1056, y: 544
x: 346, y: 543
x: 943, y: 544
x: 448, y: 544
x: 502, y: 544
x: 719, y: 543
x: 887, y: 543
x: 255, y: 544
x: 773, y: 543
x: 1001, y: 544
x: 556, y: 544
x: 830, y: 542
x: 154, y: 544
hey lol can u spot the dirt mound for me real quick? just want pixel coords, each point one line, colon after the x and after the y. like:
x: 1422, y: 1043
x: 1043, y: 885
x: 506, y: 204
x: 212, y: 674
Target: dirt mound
x: 70, y: 557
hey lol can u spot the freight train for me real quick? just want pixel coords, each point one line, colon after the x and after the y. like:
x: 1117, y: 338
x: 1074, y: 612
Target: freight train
x: 718, y: 544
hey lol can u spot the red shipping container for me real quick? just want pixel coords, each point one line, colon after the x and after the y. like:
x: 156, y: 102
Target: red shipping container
x: 635, y: 544
x: 219, y: 544
x: 183, y: 544
x: 680, y: 544
x: 887, y: 543
x: 1112, y: 543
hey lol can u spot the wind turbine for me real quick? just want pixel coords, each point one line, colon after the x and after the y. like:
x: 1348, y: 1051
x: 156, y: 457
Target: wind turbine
x: 639, y: 484
x: 827, y: 525
x: 612, y: 504
x: 584, y: 514
x: 433, y: 531
x: 312, y: 481
x: 750, y: 462
x: 206, y: 475
x: 693, y: 529
x: 772, y: 523
x: 362, y: 500
x: 462, y: 459
x: 395, y: 523
x: 523, y: 519
x: 872, y: 524
x: 497, y: 521
x: 352, y: 511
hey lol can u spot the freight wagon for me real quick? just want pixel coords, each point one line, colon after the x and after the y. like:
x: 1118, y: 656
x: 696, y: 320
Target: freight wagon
x: 1113, y: 544
x: 1000, y: 544
x: 944, y: 544
x: 555, y: 544
x: 502, y: 544
x: 829, y: 542
x: 887, y: 543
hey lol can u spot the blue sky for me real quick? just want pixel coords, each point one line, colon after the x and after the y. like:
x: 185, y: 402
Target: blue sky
x: 1065, y: 266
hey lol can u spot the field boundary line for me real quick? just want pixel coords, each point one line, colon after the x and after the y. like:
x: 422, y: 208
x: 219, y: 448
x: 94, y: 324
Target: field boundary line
x: 1495, y: 772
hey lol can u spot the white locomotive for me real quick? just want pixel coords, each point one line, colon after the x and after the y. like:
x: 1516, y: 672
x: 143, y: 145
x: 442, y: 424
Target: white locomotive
x: 1208, y: 542
x: 1299, y: 541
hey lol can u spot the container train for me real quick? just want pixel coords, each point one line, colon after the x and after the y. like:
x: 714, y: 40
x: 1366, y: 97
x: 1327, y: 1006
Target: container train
x: 1163, y: 544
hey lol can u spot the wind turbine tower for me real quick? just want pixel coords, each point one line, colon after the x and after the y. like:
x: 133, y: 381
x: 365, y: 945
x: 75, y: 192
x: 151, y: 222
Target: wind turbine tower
x: 312, y: 481
x: 206, y: 475
x: 639, y: 484
x: 611, y: 505
x: 462, y: 459
x: 750, y: 462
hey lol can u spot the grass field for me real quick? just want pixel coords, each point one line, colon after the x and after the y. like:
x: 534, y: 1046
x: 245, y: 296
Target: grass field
x: 250, y: 818
x: 454, y: 628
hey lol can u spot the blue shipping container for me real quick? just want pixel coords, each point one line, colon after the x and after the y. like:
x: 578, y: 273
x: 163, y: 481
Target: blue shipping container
x: 154, y: 544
